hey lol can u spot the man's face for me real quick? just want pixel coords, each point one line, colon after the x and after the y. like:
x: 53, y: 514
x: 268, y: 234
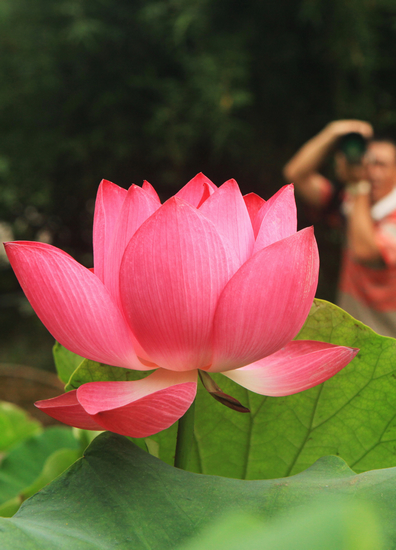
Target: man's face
x: 380, y: 163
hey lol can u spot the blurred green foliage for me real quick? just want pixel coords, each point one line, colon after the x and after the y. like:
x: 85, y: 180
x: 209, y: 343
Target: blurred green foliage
x: 31, y: 456
x: 163, y: 89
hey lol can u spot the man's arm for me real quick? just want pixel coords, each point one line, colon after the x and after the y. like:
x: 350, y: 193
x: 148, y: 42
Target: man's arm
x: 302, y: 168
x: 360, y: 226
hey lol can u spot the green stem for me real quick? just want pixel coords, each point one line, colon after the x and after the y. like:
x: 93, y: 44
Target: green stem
x: 185, y: 434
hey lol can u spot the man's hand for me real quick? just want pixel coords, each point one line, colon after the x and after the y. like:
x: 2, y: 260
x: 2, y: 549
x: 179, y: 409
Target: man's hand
x: 360, y: 225
x: 349, y: 173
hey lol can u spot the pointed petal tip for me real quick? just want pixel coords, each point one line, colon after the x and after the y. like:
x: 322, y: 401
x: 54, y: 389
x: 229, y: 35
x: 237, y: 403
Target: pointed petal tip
x: 288, y: 187
x: 15, y: 248
x: 201, y: 176
x: 231, y: 182
x: 105, y: 184
x: 8, y: 246
x: 309, y: 229
x: 133, y: 186
x: 146, y: 186
x: 11, y: 244
x: 66, y: 409
x: 308, y: 234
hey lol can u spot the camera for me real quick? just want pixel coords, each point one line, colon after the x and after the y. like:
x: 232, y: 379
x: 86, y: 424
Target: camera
x: 353, y: 146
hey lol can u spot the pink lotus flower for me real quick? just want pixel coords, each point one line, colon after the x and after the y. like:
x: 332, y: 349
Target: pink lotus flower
x: 210, y: 280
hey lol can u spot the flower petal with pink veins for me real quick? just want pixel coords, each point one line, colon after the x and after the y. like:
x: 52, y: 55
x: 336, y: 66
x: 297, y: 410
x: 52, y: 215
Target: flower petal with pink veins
x: 73, y: 304
x: 277, y: 218
x: 266, y: 302
x: 109, y: 200
x: 67, y: 409
x: 137, y: 207
x: 151, y: 191
x: 253, y: 204
x: 196, y: 189
x: 227, y: 210
x: 300, y: 365
x: 141, y: 408
x: 171, y: 277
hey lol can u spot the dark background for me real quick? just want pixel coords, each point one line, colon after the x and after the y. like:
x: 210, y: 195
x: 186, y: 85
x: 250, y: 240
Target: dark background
x: 140, y: 89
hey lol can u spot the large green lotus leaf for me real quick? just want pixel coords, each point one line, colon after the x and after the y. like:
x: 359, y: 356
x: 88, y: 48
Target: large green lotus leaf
x: 66, y: 362
x: 15, y: 426
x: 35, y: 462
x: 352, y: 415
x: 118, y: 496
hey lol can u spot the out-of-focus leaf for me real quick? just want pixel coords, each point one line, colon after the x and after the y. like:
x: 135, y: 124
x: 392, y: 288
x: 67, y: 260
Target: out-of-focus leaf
x: 321, y: 525
x: 53, y: 466
x: 91, y: 371
x: 15, y: 426
x: 66, y: 362
x: 25, y: 467
x: 85, y: 437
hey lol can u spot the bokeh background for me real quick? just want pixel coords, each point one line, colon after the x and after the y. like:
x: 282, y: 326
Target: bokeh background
x: 143, y: 89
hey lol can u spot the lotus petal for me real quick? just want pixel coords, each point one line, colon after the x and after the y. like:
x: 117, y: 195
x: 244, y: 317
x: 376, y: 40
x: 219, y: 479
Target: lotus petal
x: 109, y: 200
x: 253, y: 204
x: 67, y: 409
x: 196, y: 189
x: 227, y: 210
x: 266, y: 302
x: 73, y: 304
x: 151, y: 191
x: 141, y: 408
x: 300, y: 365
x: 171, y: 277
x: 137, y: 207
x: 277, y: 218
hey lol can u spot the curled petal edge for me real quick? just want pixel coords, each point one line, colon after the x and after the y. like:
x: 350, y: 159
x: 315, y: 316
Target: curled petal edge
x: 197, y: 190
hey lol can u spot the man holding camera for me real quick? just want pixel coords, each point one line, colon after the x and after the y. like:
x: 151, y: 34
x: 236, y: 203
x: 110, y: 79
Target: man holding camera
x: 367, y: 286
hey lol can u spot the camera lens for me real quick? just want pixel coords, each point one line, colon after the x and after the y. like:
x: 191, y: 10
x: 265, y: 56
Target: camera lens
x: 353, y: 146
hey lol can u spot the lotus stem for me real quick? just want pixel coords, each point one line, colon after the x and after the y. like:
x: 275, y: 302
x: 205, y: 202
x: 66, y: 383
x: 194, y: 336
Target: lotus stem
x: 184, y: 440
